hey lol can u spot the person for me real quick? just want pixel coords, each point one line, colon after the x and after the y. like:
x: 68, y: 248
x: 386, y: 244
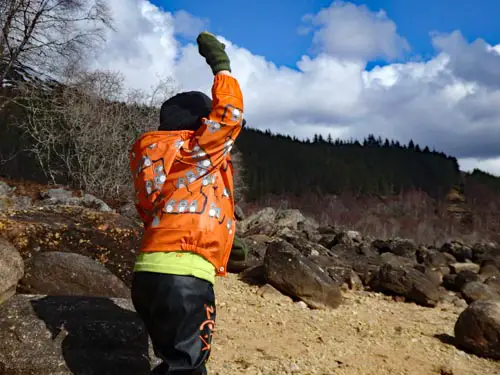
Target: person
x: 183, y: 183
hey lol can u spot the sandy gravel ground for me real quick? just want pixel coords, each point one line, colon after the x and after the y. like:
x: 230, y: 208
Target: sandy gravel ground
x: 369, y: 334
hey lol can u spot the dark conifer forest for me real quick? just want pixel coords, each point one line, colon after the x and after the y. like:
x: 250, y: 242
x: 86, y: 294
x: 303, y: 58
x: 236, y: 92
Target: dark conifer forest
x: 279, y: 164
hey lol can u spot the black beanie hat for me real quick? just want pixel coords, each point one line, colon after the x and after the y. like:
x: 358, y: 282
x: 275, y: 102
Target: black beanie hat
x: 184, y: 111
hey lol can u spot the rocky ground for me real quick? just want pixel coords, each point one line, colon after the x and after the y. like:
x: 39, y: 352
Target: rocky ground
x: 369, y: 334
x: 307, y: 300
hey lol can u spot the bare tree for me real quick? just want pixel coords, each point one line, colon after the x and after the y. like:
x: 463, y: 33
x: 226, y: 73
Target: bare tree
x: 42, y: 35
x: 81, y: 132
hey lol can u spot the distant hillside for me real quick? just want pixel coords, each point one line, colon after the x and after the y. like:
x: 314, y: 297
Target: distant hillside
x: 277, y: 164
x: 274, y: 164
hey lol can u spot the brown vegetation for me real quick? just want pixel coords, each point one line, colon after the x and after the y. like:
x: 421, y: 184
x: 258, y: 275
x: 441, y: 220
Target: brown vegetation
x: 411, y: 214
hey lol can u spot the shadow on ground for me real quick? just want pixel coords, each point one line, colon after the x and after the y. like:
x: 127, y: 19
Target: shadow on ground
x: 95, y: 334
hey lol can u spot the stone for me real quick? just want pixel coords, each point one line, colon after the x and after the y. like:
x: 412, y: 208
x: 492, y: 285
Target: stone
x: 493, y: 283
x: 129, y: 211
x: 61, y: 273
x: 402, y: 247
x: 289, y: 219
x: 61, y: 196
x: 5, y: 189
x: 459, y: 250
x: 459, y: 267
x: 489, y: 268
x: 239, y: 213
x: 109, y: 238
x: 63, y: 335
x: 262, y: 222
x: 477, y: 329
x: 398, y: 276
x: 433, y: 258
x: 296, y: 276
x: 485, y: 251
x: 11, y: 269
x: 345, y: 275
x: 464, y: 277
x: 477, y: 291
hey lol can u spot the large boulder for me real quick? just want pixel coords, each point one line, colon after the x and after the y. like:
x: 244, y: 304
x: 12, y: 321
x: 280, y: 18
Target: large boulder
x: 289, y: 219
x: 477, y: 291
x: 63, y: 335
x: 293, y: 274
x: 262, y: 222
x: 398, y: 276
x: 270, y: 222
x: 11, y: 269
x: 108, y: 238
x: 304, y: 245
x: 478, y: 329
x: 60, y: 273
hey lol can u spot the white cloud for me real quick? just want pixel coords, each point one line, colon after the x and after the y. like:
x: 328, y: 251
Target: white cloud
x: 491, y: 165
x: 349, y: 31
x: 187, y: 25
x: 449, y: 102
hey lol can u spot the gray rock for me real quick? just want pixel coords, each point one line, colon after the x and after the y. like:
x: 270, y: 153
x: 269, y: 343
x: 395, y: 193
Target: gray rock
x: 305, y: 246
x: 489, y: 268
x: 485, y: 251
x: 63, y: 335
x: 61, y: 196
x: 129, y: 211
x: 477, y: 329
x: 261, y: 222
x: 399, y: 277
x: 464, y: 277
x: 289, y: 219
x: 239, y: 213
x: 398, y: 246
x: 433, y: 258
x: 493, y: 283
x: 459, y: 267
x: 477, y: 291
x: 347, y: 276
x: 5, y: 189
x: 11, y: 269
x: 61, y: 273
x: 293, y: 274
x: 459, y: 250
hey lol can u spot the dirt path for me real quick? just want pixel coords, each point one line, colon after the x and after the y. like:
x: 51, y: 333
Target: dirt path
x: 369, y: 334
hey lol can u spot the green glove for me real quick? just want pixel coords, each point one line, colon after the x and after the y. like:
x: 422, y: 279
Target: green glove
x: 239, y: 250
x: 214, y: 52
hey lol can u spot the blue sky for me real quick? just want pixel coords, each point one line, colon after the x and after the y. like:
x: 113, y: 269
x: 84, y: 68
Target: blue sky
x: 446, y: 99
x: 270, y: 27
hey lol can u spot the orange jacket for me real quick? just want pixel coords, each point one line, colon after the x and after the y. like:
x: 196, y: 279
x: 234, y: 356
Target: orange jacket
x: 183, y: 181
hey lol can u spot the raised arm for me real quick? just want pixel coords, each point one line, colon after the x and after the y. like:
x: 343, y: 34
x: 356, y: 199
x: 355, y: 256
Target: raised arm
x: 220, y: 129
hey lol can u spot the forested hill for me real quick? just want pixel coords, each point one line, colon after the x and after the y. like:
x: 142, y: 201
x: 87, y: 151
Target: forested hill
x: 277, y: 164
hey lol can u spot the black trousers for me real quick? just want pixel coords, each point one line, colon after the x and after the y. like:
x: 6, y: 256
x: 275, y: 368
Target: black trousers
x: 179, y: 315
